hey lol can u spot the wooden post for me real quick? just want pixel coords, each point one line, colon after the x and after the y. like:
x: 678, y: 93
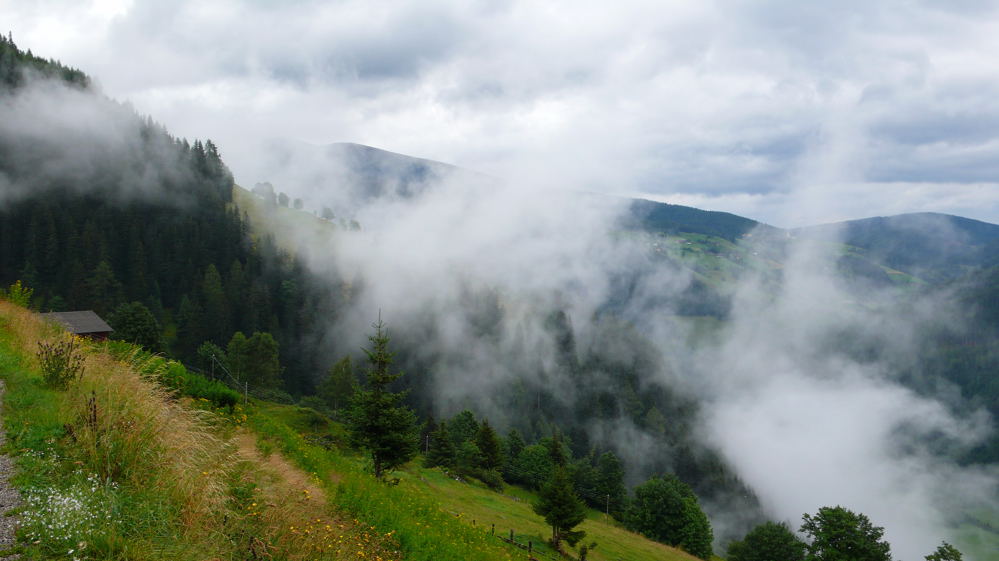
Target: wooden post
x: 493, y: 531
x: 530, y: 547
x: 511, y: 535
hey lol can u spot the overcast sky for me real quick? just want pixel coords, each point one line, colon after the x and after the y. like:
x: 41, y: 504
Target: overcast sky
x: 789, y: 112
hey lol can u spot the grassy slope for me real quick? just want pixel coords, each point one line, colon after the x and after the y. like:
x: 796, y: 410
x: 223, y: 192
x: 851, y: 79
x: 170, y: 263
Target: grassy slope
x: 476, y: 504
x: 476, y: 507
x: 116, y: 467
x: 284, y: 222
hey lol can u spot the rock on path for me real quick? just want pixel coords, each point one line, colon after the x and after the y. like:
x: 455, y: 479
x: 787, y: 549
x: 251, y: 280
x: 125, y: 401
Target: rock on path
x: 9, y: 497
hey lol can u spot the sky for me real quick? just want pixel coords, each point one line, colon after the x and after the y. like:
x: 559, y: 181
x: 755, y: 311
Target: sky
x: 788, y: 112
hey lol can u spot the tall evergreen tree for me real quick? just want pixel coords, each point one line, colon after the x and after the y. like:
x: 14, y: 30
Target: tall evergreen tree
x: 513, y: 444
x: 442, y: 451
x: 610, y: 484
x: 561, y: 508
x: 379, y: 422
x: 490, y: 447
x: 556, y: 450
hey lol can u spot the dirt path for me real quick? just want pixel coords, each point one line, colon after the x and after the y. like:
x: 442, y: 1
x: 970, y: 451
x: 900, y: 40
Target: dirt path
x: 292, y: 479
x: 9, y: 497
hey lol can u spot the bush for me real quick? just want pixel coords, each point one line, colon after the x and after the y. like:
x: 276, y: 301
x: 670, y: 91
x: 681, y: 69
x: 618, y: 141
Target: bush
x: 18, y: 294
x: 175, y: 376
x: 61, y: 364
x: 315, y: 403
x: 274, y: 395
x: 491, y: 478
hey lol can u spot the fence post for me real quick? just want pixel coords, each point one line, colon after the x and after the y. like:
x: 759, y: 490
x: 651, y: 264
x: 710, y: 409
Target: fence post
x: 511, y: 535
x: 530, y: 547
x: 493, y: 531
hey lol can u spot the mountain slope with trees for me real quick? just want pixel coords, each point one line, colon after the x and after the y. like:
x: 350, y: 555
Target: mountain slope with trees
x: 147, y: 219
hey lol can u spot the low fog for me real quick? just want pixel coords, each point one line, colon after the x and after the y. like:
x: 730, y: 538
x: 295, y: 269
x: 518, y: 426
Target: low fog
x: 800, y: 421
x: 468, y: 273
x: 55, y: 136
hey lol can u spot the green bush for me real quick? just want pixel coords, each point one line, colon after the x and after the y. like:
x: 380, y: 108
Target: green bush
x: 174, y: 375
x: 18, y: 294
x: 275, y: 395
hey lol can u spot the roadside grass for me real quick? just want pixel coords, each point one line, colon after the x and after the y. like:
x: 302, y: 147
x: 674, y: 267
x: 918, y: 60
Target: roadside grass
x: 119, y: 466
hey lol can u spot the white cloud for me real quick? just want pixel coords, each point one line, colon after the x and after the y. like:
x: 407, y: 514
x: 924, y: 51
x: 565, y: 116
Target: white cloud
x: 712, y: 102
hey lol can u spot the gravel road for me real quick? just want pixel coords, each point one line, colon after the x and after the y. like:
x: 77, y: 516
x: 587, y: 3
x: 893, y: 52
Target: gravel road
x: 9, y: 497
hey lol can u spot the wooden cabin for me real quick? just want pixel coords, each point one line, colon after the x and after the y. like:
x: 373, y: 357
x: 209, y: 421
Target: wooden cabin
x: 83, y: 323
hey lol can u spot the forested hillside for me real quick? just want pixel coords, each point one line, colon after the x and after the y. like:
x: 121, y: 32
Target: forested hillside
x: 601, y: 380
x: 103, y: 212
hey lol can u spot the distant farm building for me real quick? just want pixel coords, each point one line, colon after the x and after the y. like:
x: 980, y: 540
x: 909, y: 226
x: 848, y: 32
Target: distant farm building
x: 84, y: 323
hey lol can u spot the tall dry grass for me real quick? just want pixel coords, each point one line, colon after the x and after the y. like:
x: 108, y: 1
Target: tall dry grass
x: 128, y: 429
x: 178, y: 486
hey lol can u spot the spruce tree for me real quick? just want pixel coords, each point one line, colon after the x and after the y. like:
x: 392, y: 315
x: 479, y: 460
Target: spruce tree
x: 379, y: 422
x: 513, y: 444
x: 561, y: 507
x: 610, y: 483
x: 442, y: 451
x: 490, y: 447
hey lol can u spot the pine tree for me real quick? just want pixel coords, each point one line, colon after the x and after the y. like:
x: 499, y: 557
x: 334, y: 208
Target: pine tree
x: 442, y: 451
x: 490, y: 447
x: 561, y: 507
x: 379, y: 422
x: 610, y: 483
x: 556, y: 450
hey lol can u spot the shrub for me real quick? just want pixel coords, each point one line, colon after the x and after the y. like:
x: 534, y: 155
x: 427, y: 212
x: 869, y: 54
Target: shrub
x: 61, y: 364
x: 275, y: 395
x: 18, y: 294
x: 175, y: 376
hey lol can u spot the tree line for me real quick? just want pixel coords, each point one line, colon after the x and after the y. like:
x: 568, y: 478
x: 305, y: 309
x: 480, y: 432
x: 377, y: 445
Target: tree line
x: 664, y: 508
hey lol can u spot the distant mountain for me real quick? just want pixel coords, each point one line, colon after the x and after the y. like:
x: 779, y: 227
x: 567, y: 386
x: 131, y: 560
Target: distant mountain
x: 348, y: 174
x: 675, y: 219
x: 934, y: 247
x: 906, y: 248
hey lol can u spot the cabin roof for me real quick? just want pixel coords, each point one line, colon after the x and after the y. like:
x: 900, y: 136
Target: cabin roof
x: 81, y: 322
